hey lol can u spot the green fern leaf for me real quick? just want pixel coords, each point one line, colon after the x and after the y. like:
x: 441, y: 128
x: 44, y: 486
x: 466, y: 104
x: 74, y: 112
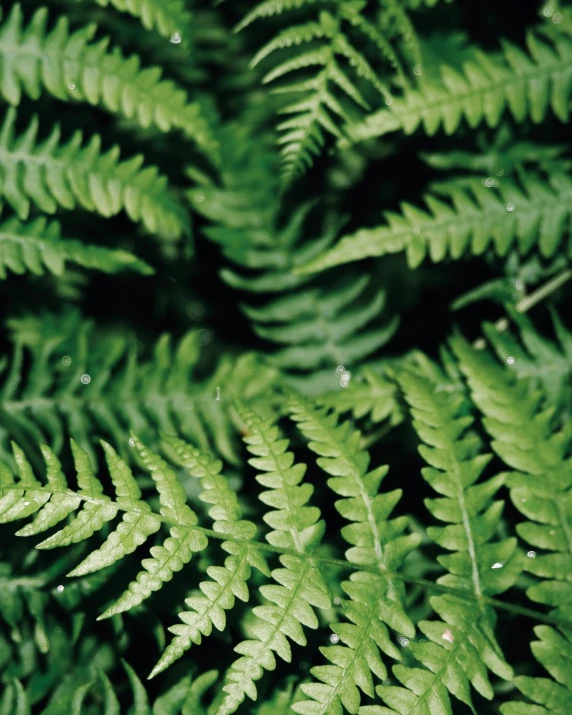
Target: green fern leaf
x: 319, y: 105
x: 525, y: 438
x: 376, y: 599
x: 467, y: 217
x: 453, y: 655
x: 120, y: 391
x: 301, y: 586
x: 72, y: 67
x: 177, y: 550
x: 169, y: 18
x: 37, y: 246
x: 552, y: 696
x: 527, y: 83
x: 52, y: 174
x: 228, y: 582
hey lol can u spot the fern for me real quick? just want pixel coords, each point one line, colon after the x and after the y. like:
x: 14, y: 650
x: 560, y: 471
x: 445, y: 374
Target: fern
x: 467, y: 217
x: 320, y: 327
x: 554, y: 651
x: 53, y: 174
x: 319, y: 107
x: 169, y: 18
x: 228, y: 582
x: 71, y: 67
x: 377, y: 598
x: 458, y: 646
x: 528, y: 84
x: 82, y: 382
x: 300, y: 585
x: 37, y: 246
x: 525, y: 439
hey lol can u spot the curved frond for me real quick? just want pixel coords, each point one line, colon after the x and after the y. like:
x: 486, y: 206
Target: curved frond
x: 84, y: 382
x: 226, y: 582
x: 300, y: 586
x: 551, y: 696
x: 37, y: 246
x: 329, y: 69
x: 528, y: 84
x: 71, y: 66
x: 526, y: 438
x: 459, y: 646
x: 54, y: 174
x: 170, y: 18
x: 468, y: 217
x: 375, y: 599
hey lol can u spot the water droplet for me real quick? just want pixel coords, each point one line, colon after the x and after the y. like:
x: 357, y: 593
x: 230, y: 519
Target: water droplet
x: 345, y: 379
x: 389, y: 101
x: 217, y: 398
x: 519, y: 285
x: 334, y: 638
x: 57, y: 630
x: 523, y: 500
x: 417, y: 230
x: 499, y: 172
x: 403, y: 641
x: 205, y: 336
x: 418, y: 70
x: 176, y: 38
x: 489, y: 182
x: 548, y: 11
x: 510, y: 360
x: 190, y: 406
x: 66, y: 360
x: 41, y: 246
x: 71, y: 85
x: 531, y: 554
x: 27, y: 503
x: 448, y: 636
x: 337, y: 601
x: 340, y: 369
x: 497, y: 566
x: 195, y: 310
x: 510, y: 207
x: 557, y: 18
x: 13, y: 385
x: 131, y: 442
x: 60, y: 588
x: 86, y: 379
x: 199, y: 197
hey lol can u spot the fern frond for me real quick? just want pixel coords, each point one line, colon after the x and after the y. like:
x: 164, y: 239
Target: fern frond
x: 546, y: 364
x: 37, y: 246
x: 120, y: 391
x: 52, y: 174
x: 300, y: 586
x: 552, y: 696
x: 73, y: 67
x: 371, y: 394
x: 375, y: 599
x: 528, y: 84
x: 475, y: 564
x: 322, y: 325
x: 526, y: 439
x: 319, y: 105
x: 467, y: 217
x: 169, y: 18
x: 228, y: 582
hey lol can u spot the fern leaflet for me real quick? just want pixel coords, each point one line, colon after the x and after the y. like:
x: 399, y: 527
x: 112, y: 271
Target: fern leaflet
x: 73, y: 68
x: 526, y: 439
x: 54, y: 174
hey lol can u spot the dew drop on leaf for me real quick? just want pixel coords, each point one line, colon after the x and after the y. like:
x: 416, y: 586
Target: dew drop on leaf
x: 86, y: 379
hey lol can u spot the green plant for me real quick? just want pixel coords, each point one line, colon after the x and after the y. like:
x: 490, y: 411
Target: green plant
x: 238, y: 474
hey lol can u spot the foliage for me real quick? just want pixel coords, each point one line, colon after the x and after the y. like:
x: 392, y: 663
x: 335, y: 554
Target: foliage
x: 238, y: 474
